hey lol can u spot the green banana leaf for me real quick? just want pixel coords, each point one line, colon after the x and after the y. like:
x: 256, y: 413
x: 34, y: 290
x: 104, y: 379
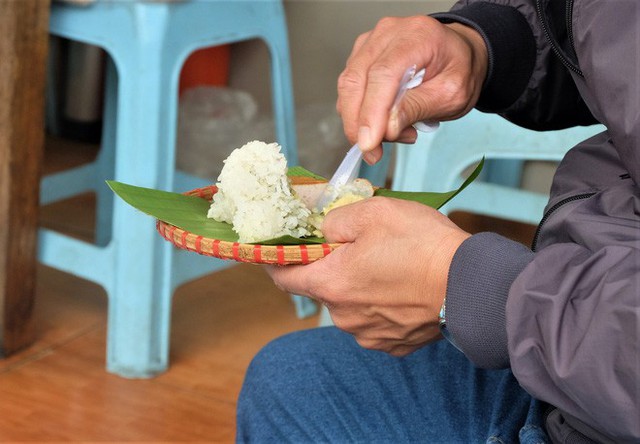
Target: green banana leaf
x: 434, y: 200
x: 298, y: 171
x: 190, y: 212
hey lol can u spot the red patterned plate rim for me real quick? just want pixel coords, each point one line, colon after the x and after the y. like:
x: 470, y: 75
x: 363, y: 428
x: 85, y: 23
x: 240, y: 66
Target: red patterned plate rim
x: 240, y: 252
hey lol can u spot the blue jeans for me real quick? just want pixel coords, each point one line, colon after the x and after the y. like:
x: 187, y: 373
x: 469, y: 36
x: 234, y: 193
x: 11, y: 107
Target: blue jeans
x: 320, y: 386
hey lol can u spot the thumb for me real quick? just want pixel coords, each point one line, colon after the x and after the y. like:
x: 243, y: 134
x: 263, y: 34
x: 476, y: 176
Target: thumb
x: 412, y: 109
x: 347, y: 223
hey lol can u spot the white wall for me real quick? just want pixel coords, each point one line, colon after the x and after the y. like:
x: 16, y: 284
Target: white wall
x: 321, y: 35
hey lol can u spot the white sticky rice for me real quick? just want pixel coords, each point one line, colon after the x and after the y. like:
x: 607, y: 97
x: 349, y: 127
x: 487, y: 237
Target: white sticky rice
x: 254, y: 195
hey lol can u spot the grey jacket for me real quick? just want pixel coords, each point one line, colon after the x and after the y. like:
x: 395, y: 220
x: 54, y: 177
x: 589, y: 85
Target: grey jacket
x: 564, y: 315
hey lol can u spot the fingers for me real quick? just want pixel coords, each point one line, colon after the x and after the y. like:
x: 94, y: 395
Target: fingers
x: 445, y: 97
x: 351, y: 86
x: 297, y: 279
x: 372, y: 157
x: 375, y: 67
x: 384, y: 297
x: 347, y: 223
x: 352, y: 83
x: 325, y: 278
x: 382, y: 85
x: 455, y: 59
x: 398, y: 349
x: 372, y: 332
x: 368, y: 86
x: 408, y: 135
x: 375, y: 111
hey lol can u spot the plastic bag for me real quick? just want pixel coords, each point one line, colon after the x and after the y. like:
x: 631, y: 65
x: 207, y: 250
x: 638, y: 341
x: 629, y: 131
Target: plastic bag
x: 211, y: 123
x: 214, y: 121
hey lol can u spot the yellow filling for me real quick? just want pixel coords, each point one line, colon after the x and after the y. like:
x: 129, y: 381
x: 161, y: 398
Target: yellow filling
x: 343, y: 200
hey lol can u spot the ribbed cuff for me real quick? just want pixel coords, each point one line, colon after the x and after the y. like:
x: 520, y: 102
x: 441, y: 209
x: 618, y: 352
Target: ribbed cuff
x: 511, y: 48
x: 480, y: 276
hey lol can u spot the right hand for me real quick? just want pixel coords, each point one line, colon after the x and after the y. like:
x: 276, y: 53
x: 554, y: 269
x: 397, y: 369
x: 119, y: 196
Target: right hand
x: 455, y: 58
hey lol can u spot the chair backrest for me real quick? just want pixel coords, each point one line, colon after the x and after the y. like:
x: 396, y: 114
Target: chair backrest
x: 437, y: 161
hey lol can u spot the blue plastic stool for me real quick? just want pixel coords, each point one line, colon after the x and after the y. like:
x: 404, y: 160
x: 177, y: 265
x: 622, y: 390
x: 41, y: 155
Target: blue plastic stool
x: 437, y: 161
x: 148, y: 43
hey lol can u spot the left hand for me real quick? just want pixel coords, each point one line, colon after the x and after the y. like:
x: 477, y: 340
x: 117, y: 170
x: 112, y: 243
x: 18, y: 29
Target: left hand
x: 386, y: 284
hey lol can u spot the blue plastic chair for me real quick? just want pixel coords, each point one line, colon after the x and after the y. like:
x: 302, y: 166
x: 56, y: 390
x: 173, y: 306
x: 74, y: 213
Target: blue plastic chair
x: 148, y: 43
x: 438, y: 160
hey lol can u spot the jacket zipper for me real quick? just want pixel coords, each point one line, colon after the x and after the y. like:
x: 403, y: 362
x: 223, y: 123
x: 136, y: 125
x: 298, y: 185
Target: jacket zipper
x: 570, y: 24
x: 554, y: 46
x: 551, y: 210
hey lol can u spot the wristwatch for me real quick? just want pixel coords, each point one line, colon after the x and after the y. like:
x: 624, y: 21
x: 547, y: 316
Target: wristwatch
x: 442, y: 323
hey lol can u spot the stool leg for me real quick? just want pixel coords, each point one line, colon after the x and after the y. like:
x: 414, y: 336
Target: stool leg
x: 506, y: 172
x: 140, y: 297
x: 140, y: 300
x: 304, y: 306
x: 282, y: 92
x: 106, y: 158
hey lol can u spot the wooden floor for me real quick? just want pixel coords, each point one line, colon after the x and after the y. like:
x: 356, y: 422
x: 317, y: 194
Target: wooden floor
x: 58, y: 389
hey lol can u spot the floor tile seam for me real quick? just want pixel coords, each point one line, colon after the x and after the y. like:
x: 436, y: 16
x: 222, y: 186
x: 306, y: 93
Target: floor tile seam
x: 50, y: 349
x: 191, y: 391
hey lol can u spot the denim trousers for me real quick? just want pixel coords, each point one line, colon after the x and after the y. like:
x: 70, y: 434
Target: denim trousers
x: 319, y: 386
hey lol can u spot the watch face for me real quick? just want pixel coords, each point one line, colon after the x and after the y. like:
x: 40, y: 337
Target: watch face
x: 444, y: 331
x: 442, y: 314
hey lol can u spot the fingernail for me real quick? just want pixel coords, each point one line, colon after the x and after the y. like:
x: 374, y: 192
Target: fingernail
x: 364, y: 138
x: 408, y: 139
x: 370, y: 158
x: 394, y: 118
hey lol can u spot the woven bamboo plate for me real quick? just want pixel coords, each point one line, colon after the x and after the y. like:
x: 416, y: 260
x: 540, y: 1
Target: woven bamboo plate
x: 252, y: 253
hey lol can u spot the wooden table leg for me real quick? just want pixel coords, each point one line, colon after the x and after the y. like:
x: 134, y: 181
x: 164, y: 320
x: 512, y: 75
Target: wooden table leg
x: 23, y: 58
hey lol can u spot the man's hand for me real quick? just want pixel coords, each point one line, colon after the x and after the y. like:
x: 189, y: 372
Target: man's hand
x: 455, y: 58
x: 386, y: 284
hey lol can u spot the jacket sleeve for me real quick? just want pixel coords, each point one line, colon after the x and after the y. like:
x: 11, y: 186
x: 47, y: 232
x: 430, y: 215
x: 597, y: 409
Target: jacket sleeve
x: 571, y: 312
x: 573, y: 323
x: 526, y: 83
